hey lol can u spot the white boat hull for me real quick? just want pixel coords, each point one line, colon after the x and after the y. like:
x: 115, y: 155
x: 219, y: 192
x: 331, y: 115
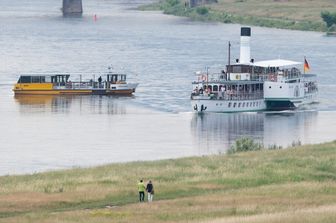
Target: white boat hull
x: 201, y: 105
x: 129, y: 86
x: 307, y: 99
x: 281, y: 96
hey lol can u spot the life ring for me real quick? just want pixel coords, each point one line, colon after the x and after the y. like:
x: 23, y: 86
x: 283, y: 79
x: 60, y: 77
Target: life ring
x: 273, y: 77
x: 204, y: 78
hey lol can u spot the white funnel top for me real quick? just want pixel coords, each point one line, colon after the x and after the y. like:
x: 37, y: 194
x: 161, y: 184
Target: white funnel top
x: 245, y: 53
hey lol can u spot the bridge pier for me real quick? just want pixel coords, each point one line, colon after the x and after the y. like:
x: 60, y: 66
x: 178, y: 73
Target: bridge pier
x: 72, y: 8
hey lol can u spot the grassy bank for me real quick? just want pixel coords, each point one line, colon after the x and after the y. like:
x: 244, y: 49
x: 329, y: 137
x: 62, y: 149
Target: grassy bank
x: 293, y: 185
x: 293, y: 14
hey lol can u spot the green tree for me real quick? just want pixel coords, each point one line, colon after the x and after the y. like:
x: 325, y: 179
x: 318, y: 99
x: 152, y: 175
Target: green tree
x: 329, y: 18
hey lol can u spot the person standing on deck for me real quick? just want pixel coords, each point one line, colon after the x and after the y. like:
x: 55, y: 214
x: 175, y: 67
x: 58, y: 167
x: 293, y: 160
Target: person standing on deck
x: 150, y: 191
x: 141, y: 189
x: 99, y: 82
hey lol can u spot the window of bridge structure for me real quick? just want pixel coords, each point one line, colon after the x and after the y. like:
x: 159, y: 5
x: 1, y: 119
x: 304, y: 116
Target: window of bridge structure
x: 239, y: 69
x: 47, y: 79
x: 35, y: 79
x: 25, y: 79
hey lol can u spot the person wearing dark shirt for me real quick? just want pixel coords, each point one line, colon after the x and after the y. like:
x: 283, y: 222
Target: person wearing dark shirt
x: 150, y: 191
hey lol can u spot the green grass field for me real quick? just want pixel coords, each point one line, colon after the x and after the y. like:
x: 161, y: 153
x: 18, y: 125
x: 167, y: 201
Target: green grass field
x: 290, y: 185
x: 287, y: 14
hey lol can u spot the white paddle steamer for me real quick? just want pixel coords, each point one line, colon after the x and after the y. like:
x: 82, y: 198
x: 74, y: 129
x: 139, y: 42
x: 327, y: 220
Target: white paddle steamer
x: 253, y: 86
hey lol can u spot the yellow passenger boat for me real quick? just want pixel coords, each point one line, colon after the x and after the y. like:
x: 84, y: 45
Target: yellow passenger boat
x: 60, y: 84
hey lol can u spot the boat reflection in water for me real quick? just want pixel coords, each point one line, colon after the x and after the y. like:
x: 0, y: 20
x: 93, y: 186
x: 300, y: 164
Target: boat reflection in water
x: 67, y: 103
x: 216, y: 132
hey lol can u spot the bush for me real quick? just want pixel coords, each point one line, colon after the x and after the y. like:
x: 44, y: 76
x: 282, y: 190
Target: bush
x: 172, y: 2
x: 329, y: 18
x: 244, y: 145
x: 332, y: 28
x: 296, y: 143
x: 274, y: 147
x: 202, y: 10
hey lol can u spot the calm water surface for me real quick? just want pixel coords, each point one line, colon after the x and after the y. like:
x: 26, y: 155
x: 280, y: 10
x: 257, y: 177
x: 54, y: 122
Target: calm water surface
x: 161, y: 53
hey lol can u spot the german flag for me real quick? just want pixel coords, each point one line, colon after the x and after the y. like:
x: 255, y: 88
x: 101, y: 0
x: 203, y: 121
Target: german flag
x: 306, y: 65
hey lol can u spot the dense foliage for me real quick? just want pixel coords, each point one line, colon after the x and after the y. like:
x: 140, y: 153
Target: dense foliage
x: 244, y: 145
x: 329, y: 18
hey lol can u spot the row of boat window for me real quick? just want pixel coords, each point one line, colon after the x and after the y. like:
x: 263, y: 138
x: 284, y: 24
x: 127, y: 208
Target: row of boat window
x: 64, y: 78
x: 44, y: 79
x: 241, y: 87
x: 241, y: 104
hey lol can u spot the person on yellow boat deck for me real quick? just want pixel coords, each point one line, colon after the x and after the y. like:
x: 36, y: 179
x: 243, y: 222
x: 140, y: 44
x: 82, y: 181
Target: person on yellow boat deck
x: 141, y: 189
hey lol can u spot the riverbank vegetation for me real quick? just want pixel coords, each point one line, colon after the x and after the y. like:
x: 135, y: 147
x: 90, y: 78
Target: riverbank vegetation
x: 282, y: 185
x: 330, y: 19
x: 293, y: 14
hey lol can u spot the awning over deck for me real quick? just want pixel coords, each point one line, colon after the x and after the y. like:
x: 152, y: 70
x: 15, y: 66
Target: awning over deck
x: 276, y: 63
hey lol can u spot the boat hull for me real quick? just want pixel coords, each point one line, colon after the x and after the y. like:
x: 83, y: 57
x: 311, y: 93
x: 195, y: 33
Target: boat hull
x: 74, y: 92
x: 290, y: 103
x: 52, y: 92
x: 48, y: 89
x: 227, y: 106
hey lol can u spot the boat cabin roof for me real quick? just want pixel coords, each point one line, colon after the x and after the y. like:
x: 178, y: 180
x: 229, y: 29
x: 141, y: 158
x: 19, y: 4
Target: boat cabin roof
x: 276, y: 63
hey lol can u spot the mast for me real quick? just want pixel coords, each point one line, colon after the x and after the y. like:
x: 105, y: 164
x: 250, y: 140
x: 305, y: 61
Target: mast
x: 229, y: 60
x: 229, y: 57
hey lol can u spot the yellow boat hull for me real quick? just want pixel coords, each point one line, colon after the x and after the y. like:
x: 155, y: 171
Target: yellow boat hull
x: 51, y: 92
x: 48, y: 89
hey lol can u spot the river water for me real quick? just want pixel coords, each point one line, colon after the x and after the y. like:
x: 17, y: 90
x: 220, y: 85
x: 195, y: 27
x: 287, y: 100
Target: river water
x: 160, y: 52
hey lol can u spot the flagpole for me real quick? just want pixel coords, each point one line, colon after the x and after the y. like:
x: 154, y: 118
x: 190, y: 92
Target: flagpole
x: 304, y: 64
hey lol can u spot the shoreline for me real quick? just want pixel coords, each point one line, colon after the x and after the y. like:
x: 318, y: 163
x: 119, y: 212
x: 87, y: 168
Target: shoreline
x: 214, y: 13
x: 238, y: 187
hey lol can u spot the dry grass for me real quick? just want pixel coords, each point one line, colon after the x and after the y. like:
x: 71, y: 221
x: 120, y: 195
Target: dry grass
x: 282, y: 9
x: 325, y: 214
x: 285, y: 14
x: 294, y: 185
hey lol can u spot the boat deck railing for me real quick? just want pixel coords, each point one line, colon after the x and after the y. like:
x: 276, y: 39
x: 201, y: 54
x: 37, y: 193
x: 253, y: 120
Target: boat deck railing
x: 285, y: 75
x: 81, y: 85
